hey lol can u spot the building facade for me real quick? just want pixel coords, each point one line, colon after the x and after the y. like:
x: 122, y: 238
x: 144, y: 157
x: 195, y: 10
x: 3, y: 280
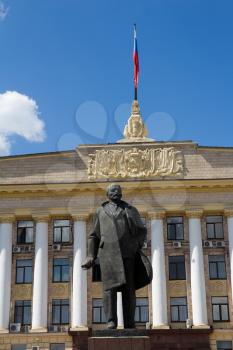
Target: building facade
x: 183, y: 191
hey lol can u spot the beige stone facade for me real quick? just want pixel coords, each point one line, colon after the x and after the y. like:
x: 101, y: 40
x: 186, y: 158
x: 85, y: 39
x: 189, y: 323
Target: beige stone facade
x: 59, y: 186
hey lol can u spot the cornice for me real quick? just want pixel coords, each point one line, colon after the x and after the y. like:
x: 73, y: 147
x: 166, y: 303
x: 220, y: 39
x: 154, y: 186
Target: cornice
x: 156, y: 214
x: 80, y: 216
x: 194, y: 213
x: 228, y: 212
x: 40, y: 217
x: 7, y: 218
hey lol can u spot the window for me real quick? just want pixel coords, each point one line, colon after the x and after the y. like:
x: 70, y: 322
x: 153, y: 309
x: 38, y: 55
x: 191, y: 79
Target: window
x: 175, y: 228
x: 177, y: 268
x: 61, y: 270
x: 179, y: 311
x: 220, y: 309
x: 224, y: 345
x: 61, y: 231
x: 96, y: 272
x: 24, y: 232
x: 57, y: 346
x: 24, y: 271
x: 217, y: 267
x: 18, y: 347
x: 141, y: 311
x: 23, y: 312
x: 214, y: 227
x: 98, y: 315
x: 60, y: 311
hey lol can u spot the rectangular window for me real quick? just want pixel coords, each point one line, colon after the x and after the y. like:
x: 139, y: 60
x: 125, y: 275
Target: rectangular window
x: 179, y: 312
x: 142, y: 310
x: 61, y: 231
x: 220, y: 309
x: 60, y: 311
x: 23, y: 312
x: 57, y: 346
x: 18, y: 347
x: 214, y: 227
x: 61, y: 270
x: 24, y: 232
x: 96, y: 272
x: 24, y: 271
x: 224, y: 345
x: 175, y: 228
x: 98, y: 315
x: 217, y: 267
x: 177, y: 268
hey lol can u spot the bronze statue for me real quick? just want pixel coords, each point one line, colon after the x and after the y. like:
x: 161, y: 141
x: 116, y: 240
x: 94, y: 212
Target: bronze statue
x: 117, y: 239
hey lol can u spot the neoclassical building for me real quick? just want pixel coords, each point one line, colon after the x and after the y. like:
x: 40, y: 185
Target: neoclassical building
x: 184, y: 193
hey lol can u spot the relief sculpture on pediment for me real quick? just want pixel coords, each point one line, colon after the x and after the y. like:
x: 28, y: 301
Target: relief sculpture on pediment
x: 135, y: 163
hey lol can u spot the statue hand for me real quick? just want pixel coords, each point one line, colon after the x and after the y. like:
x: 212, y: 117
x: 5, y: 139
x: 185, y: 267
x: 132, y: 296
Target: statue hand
x: 88, y: 263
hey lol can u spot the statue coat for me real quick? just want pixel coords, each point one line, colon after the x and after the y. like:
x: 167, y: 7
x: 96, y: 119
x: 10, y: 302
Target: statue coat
x: 114, y: 239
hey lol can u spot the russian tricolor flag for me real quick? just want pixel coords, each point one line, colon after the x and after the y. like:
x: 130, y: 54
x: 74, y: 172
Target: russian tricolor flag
x: 135, y: 59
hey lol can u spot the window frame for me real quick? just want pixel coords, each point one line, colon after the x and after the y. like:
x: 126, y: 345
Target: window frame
x: 23, y: 267
x: 175, y: 227
x: 217, y: 268
x: 178, y: 307
x: 101, y: 312
x: 26, y: 230
x: 22, y: 313
x: 70, y: 241
x: 55, y: 344
x: 176, y: 265
x: 139, y: 308
x: 214, y: 225
x: 220, y: 309
x: 61, y: 303
x: 61, y: 270
x: 223, y: 341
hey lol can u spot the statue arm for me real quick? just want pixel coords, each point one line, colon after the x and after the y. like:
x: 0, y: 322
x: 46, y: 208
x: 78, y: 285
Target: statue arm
x: 92, y: 244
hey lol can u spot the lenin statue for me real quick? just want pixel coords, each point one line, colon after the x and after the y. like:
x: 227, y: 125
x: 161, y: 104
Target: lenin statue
x: 117, y: 238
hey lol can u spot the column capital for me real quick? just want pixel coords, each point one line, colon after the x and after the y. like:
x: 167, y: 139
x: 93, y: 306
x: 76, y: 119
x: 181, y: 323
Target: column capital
x: 41, y: 217
x: 80, y: 216
x: 7, y: 218
x: 194, y: 213
x: 156, y: 214
x: 228, y: 212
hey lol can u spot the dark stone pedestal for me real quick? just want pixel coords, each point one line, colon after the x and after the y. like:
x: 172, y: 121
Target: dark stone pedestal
x: 136, y: 339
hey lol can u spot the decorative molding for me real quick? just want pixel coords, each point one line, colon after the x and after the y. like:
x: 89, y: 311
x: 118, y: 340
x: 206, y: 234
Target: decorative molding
x: 194, y: 213
x: 228, y: 212
x: 7, y: 218
x: 135, y: 129
x: 135, y: 163
x: 41, y: 217
x: 158, y: 214
x: 80, y: 216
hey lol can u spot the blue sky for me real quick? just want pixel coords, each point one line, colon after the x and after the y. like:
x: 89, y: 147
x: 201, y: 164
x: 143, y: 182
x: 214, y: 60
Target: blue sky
x: 69, y: 64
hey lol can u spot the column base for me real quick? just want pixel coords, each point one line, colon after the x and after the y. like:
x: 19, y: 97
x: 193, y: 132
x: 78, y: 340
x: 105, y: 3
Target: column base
x: 2, y: 331
x: 202, y: 326
x: 162, y: 326
x: 38, y: 330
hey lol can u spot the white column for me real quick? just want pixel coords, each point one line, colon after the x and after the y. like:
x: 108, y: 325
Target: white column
x: 198, y: 290
x: 159, y: 292
x: 120, y: 318
x: 79, y: 289
x: 5, y: 273
x: 229, y: 213
x: 40, y: 283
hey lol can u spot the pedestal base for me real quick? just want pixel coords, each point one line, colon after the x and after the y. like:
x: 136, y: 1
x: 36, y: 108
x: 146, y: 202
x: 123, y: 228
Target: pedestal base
x: 119, y: 343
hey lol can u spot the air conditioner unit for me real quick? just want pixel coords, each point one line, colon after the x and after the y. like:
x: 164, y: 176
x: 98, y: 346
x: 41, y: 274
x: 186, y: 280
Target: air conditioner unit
x: 145, y: 245
x: 188, y: 323
x: 16, y: 249
x: 64, y: 329
x: 176, y: 244
x: 57, y: 247
x: 54, y: 328
x: 25, y: 329
x: 218, y: 244
x: 207, y: 244
x: 15, y: 327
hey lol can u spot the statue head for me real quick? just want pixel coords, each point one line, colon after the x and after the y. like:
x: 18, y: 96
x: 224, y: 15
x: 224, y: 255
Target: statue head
x: 114, y: 193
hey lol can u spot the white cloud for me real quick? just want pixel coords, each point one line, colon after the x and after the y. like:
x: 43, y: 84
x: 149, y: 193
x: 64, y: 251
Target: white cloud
x: 19, y: 115
x: 3, y: 11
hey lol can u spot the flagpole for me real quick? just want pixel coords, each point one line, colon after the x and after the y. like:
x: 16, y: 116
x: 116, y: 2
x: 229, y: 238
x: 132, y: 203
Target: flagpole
x: 135, y: 94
